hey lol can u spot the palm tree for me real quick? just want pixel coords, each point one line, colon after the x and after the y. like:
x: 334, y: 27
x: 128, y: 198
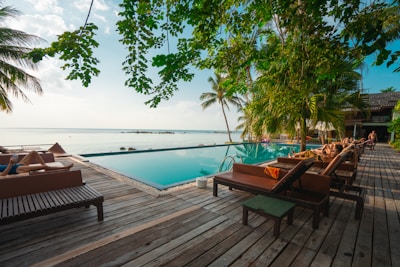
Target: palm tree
x: 287, y: 98
x: 390, y: 89
x: 219, y: 95
x: 246, y: 124
x: 14, y: 48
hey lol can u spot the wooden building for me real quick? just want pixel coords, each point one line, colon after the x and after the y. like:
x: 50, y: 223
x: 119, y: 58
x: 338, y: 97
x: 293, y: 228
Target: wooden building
x: 378, y: 116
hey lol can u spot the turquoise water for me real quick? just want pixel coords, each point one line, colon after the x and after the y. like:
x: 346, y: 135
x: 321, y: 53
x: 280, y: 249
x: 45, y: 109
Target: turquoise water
x: 164, y: 169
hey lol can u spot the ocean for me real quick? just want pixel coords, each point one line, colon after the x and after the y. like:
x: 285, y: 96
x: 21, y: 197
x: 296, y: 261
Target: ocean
x: 82, y: 141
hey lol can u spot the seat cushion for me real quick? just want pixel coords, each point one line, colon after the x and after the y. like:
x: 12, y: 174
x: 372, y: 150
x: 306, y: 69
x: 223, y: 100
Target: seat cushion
x: 252, y: 181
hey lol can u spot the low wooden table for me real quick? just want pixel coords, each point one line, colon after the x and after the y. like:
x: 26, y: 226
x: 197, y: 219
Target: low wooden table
x: 269, y: 207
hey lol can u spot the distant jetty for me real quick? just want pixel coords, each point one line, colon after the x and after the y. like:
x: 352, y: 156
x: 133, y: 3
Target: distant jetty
x: 150, y: 132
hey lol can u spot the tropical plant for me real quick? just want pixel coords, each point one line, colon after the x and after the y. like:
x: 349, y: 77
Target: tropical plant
x: 246, y: 125
x: 390, y: 89
x: 219, y: 95
x: 372, y: 28
x: 14, y: 50
x: 394, y: 126
x: 76, y: 49
x: 304, y: 76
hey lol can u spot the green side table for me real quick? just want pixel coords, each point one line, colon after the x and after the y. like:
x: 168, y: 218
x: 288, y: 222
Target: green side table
x: 270, y: 207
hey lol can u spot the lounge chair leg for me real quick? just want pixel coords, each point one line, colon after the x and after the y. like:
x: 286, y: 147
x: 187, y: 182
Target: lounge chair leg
x: 277, y: 226
x: 215, y: 189
x: 290, y: 217
x: 326, y: 210
x: 316, y: 219
x: 359, y: 208
x: 245, y: 216
x: 100, y: 215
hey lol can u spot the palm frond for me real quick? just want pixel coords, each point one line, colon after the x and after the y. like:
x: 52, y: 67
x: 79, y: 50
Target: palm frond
x: 14, y: 48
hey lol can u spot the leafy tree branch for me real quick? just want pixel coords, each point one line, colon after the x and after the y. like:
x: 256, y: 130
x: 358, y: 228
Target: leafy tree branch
x: 76, y: 49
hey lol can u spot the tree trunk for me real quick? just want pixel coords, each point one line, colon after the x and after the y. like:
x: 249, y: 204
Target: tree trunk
x: 303, y: 133
x: 226, y: 121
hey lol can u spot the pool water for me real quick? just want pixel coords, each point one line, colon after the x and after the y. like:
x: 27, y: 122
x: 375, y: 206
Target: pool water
x: 170, y: 167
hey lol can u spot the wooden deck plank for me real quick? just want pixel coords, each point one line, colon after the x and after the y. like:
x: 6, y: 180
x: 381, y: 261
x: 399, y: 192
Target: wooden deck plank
x: 364, y: 243
x: 329, y: 247
x: 151, y: 238
x: 347, y: 243
x: 318, y: 236
x: 156, y: 255
x: 262, y: 227
x: 271, y: 253
x: 108, y: 226
x: 392, y: 195
x: 190, y: 251
x: 84, y: 249
x: 304, y: 258
x: 381, y: 249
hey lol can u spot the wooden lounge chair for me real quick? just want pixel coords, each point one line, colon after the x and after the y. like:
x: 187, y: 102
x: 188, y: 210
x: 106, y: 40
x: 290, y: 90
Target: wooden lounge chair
x: 58, y: 151
x: 5, y: 158
x: 24, y: 197
x: 342, y: 176
x: 344, y: 190
x: 342, y: 171
x: 289, y: 186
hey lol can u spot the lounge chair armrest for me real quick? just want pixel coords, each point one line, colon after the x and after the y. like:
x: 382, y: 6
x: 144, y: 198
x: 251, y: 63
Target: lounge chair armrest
x: 314, y: 182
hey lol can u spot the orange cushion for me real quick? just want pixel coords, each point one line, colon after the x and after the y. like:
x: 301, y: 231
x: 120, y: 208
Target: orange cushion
x: 272, y: 171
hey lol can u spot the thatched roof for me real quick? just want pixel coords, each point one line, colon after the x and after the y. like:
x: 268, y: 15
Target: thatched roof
x: 383, y: 100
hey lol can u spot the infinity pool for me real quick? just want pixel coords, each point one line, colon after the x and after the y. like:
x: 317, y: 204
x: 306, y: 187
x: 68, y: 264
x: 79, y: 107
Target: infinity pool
x: 166, y: 168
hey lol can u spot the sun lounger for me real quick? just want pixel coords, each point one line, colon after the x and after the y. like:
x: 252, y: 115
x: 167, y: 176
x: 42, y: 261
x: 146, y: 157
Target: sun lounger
x: 58, y: 151
x: 289, y: 186
x: 344, y: 190
x: 24, y: 197
x: 343, y: 171
x: 5, y: 158
x: 342, y: 176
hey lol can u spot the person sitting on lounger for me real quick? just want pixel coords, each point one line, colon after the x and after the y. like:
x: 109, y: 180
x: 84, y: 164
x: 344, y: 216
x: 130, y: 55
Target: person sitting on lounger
x: 23, y: 165
x: 325, y: 153
x: 330, y: 151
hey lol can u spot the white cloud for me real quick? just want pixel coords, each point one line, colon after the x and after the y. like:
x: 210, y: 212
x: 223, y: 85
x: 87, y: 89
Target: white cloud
x: 102, y: 18
x: 51, y: 76
x: 107, y: 30
x: 85, y: 5
x: 100, y: 14
x: 44, y: 26
x: 101, y: 5
x: 46, y: 6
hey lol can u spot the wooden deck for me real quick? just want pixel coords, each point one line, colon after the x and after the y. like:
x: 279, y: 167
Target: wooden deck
x: 190, y: 227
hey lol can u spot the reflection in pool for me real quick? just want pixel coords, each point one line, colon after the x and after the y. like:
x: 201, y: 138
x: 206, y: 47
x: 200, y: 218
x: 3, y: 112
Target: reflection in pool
x: 170, y: 167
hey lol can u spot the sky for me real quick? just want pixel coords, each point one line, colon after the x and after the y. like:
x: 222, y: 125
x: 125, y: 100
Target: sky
x: 107, y: 103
